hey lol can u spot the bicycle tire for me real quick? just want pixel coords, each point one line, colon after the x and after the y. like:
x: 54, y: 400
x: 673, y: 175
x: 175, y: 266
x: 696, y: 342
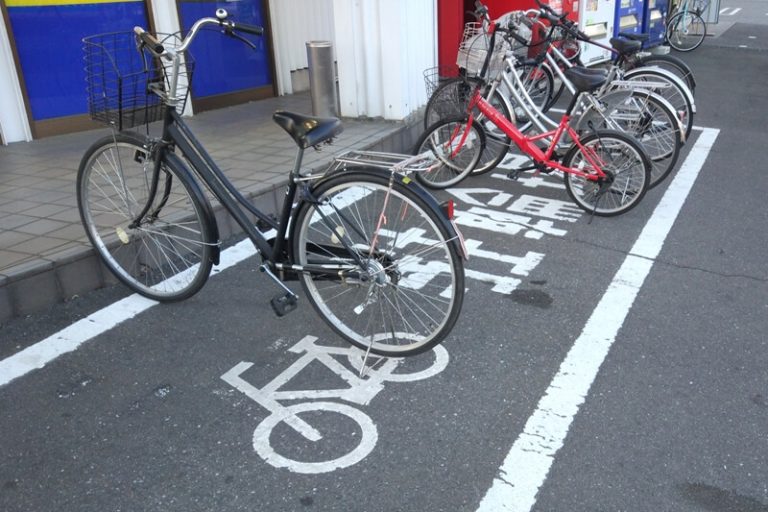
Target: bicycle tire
x: 686, y: 31
x: 451, y: 99
x: 649, y: 119
x: 455, y: 149
x: 625, y: 162
x: 670, y: 63
x: 169, y: 256
x: 676, y: 93
x: 415, y: 291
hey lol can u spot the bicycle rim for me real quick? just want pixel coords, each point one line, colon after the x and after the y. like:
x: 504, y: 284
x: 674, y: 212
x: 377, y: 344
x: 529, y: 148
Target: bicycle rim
x: 456, y: 149
x: 686, y: 32
x: 628, y: 172
x: 411, y: 292
x: 168, y: 256
x: 655, y: 126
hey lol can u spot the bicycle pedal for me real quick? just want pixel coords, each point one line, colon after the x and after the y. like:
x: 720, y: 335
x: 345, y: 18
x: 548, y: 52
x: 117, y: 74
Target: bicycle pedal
x: 514, y: 174
x: 284, y: 304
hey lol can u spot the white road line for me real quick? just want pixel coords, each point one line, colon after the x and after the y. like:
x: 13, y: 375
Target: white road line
x: 43, y: 352
x: 527, y: 464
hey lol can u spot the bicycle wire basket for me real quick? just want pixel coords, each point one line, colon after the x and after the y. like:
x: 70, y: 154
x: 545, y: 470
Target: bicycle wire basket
x: 437, y: 76
x: 119, y: 75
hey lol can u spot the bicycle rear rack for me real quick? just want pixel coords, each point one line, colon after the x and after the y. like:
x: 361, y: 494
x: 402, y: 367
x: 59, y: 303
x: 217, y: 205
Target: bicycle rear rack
x: 391, y: 161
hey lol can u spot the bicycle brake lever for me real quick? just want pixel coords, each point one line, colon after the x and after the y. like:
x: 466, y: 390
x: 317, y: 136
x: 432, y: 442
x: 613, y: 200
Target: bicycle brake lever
x: 230, y: 32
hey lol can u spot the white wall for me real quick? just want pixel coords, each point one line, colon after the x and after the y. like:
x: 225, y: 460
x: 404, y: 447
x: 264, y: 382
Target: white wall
x: 383, y: 48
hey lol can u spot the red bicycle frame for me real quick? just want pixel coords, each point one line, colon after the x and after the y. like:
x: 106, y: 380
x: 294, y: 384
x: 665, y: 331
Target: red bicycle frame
x: 526, y: 144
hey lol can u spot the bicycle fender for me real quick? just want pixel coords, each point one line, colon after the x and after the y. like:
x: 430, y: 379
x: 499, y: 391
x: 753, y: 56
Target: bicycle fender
x: 668, y: 75
x: 450, y: 227
x: 679, y: 63
x: 210, y: 217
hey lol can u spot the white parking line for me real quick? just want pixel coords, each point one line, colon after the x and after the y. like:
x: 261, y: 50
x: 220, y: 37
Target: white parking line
x: 527, y: 464
x: 43, y: 352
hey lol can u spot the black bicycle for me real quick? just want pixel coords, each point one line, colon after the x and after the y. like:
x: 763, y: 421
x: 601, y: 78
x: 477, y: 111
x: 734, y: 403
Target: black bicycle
x: 378, y: 257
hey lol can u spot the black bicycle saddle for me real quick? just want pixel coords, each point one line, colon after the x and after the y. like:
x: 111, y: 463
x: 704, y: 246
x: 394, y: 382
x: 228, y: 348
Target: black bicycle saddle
x: 586, y: 79
x: 626, y: 46
x: 307, y: 130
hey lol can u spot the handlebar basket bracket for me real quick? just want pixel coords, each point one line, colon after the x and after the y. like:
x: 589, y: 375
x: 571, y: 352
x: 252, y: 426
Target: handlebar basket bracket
x: 119, y: 76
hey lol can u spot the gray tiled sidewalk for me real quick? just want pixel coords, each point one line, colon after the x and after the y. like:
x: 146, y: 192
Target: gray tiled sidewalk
x: 44, y: 254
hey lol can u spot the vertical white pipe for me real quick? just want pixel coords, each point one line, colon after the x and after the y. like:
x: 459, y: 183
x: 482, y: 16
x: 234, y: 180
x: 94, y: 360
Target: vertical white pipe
x: 14, y: 124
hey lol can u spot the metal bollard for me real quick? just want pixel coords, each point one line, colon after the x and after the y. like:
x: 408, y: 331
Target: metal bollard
x: 322, y: 79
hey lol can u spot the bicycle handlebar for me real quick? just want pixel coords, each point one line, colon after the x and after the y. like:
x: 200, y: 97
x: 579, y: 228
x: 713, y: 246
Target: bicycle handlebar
x: 481, y: 11
x: 562, y: 20
x: 221, y: 20
x: 149, y: 40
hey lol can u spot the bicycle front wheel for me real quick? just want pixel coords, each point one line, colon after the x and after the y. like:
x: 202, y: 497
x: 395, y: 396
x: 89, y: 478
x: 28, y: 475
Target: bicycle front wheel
x: 407, y: 296
x: 456, y: 148
x: 625, y: 164
x: 169, y: 254
x: 451, y: 100
x: 686, y: 31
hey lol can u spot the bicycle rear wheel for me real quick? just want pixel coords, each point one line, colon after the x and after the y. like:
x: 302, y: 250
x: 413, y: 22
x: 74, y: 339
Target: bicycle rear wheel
x: 686, y: 31
x: 649, y: 119
x: 408, y: 297
x: 674, y: 91
x: 169, y: 255
x: 624, y: 162
x: 456, y: 148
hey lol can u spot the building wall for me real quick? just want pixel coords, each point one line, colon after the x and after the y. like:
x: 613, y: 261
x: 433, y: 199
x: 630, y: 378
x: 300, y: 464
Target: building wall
x: 382, y: 48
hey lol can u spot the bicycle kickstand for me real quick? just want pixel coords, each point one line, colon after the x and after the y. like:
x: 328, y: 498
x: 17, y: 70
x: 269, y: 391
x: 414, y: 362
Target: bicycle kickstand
x: 282, y: 304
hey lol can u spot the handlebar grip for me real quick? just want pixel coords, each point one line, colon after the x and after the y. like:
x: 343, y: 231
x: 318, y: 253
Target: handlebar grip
x: 248, y: 29
x: 480, y: 9
x: 149, y: 40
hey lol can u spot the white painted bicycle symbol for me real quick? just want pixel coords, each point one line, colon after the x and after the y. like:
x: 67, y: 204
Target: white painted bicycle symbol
x: 360, y: 391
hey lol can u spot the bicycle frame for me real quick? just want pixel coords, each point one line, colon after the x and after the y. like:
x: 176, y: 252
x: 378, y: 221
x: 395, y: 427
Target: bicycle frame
x: 177, y: 134
x: 527, y: 144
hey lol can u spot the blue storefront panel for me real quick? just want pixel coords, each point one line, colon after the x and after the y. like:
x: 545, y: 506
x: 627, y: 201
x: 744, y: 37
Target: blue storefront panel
x: 223, y: 64
x: 48, y: 36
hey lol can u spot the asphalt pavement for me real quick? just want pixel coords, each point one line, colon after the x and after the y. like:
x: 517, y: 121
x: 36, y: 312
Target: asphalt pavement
x: 605, y: 364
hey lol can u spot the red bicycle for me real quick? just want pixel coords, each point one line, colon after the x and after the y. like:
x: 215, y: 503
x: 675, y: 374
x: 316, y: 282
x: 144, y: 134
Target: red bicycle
x: 606, y: 172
